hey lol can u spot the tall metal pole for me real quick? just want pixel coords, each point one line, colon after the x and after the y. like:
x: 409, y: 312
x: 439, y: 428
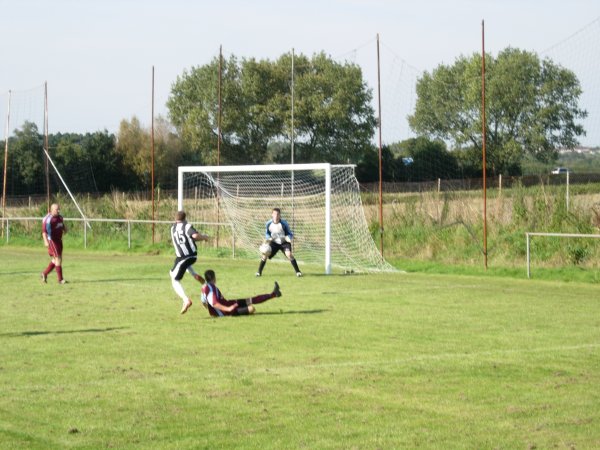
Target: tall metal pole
x: 152, y: 153
x: 220, y: 106
x: 292, y: 136
x: 483, y: 140
x: 219, y: 117
x: 380, y: 151
x: 5, y: 162
x: 292, y: 140
x: 46, y: 145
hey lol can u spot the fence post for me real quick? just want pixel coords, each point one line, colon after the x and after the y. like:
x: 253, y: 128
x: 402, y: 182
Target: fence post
x: 84, y: 234
x: 528, y: 257
x: 233, y: 240
x: 500, y: 185
x: 129, y: 234
x: 7, y: 230
x: 567, y: 191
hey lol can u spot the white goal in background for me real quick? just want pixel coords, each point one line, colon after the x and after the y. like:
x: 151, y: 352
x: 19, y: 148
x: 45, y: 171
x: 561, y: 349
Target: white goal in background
x: 321, y: 203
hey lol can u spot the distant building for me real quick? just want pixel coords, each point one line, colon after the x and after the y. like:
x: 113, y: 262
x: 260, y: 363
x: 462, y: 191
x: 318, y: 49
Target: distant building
x: 581, y: 150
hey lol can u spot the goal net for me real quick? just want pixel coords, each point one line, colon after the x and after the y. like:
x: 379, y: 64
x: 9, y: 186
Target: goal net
x: 321, y: 203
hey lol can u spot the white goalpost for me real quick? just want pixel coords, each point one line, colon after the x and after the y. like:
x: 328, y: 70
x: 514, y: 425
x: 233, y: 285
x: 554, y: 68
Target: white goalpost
x: 321, y: 202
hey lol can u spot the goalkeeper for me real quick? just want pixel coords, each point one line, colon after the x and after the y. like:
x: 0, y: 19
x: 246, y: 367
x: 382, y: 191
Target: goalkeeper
x: 278, y: 236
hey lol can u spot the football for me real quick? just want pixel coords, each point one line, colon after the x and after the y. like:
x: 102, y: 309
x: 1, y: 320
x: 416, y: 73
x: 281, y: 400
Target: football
x: 265, y: 249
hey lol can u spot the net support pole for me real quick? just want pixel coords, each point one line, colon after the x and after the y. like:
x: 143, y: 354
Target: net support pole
x: 380, y: 151
x: 5, y: 163
x: 180, y: 172
x: 68, y: 190
x: 328, y: 219
x: 46, y: 146
x: 152, y: 155
x: 483, y: 142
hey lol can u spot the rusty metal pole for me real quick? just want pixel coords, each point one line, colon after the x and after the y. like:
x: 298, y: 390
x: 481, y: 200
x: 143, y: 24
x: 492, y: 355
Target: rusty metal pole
x: 152, y: 154
x: 483, y: 131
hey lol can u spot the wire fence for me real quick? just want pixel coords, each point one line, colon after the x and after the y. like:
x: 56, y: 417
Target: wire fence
x: 86, y: 226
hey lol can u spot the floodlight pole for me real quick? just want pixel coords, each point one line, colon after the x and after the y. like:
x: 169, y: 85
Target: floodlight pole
x: 483, y: 133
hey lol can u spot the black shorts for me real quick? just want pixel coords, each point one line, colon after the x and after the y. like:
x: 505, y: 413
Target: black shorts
x: 275, y: 247
x: 241, y: 304
x: 180, y: 266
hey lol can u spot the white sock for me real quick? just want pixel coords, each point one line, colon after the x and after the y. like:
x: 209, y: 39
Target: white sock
x: 179, y: 289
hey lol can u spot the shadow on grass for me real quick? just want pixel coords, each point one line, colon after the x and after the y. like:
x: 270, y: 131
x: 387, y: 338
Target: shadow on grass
x: 277, y: 313
x: 42, y: 333
x: 274, y: 313
x: 116, y: 280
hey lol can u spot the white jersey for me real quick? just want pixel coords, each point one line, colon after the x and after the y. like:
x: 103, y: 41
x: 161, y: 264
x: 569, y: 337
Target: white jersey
x: 277, y: 232
x: 181, y: 235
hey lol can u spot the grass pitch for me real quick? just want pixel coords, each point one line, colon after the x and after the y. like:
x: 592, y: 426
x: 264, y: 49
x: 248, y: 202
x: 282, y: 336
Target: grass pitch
x: 357, y: 361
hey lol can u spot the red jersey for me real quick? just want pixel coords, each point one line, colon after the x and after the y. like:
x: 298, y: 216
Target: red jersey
x: 54, y: 227
x: 211, y: 295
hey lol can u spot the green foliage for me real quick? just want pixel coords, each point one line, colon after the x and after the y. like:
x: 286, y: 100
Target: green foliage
x: 531, y: 107
x: 333, y: 119
x: 417, y: 159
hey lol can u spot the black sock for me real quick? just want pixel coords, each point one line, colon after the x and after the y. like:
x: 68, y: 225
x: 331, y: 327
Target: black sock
x: 261, y: 266
x: 295, y: 264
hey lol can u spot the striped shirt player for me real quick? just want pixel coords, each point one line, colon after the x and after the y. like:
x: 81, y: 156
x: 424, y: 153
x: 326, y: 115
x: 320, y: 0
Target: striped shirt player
x: 218, y: 306
x: 53, y: 228
x: 184, y: 237
x: 279, y: 237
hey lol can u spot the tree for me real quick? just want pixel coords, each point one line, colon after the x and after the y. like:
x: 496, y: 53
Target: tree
x: 333, y: 121
x: 367, y: 170
x: 169, y: 153
x: 531, y: 107
x: 28, y: 159
x: 89, y: 162
x: 133, y: 146
x: 431, y: 160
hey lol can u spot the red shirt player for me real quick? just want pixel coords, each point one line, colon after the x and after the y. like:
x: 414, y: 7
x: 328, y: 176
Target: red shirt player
x: 218, y: 306
x: 53, y: 229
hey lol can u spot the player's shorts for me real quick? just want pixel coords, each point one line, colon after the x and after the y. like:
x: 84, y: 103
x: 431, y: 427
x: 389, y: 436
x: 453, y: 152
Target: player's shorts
x: 180, y: 266
x: 55, y: 248
x: 275, y: 247
x: 241, y: 304
x: 241, y: 310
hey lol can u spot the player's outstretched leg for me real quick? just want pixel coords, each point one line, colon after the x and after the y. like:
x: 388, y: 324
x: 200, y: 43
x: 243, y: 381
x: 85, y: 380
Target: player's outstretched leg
x: 276, y: 290
x: 264, y: 297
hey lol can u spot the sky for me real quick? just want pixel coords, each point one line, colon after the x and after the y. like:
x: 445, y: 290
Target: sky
x: 97, y: 56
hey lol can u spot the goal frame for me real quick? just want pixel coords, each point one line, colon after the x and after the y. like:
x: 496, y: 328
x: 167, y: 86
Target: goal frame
x: 273, y: 168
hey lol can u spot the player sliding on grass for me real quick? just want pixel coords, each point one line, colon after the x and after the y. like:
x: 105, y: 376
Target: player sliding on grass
x: 184, y: 235
x: 278, y: 236
x: 218, y: 306
x: 53, y: 229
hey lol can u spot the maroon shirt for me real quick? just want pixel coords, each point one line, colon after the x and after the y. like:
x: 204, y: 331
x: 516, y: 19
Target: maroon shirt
x: 54, y: 227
